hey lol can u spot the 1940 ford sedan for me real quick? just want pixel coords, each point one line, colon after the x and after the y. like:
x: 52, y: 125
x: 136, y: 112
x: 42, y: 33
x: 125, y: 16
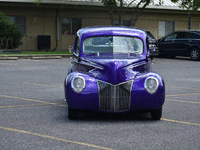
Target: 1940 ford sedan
x: 110, y: 72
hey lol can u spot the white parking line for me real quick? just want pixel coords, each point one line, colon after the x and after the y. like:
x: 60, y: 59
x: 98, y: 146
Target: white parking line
x: 184, y: 94
x: 55, y: 138
x: 192, y: 102
x: 176, y: 87
x: 42, y: 85
x: 182, y: 122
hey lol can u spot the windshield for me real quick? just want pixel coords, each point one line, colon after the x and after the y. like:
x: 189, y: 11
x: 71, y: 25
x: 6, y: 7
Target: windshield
x: 112, y: 44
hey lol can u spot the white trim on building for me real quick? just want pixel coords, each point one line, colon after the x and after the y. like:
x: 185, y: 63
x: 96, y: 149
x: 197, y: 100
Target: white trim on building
x: 155, y: 4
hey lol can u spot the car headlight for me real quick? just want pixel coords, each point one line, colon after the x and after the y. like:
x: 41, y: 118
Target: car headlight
x: 152, y: 45
x: 151, y: 85
x: 78, y: 84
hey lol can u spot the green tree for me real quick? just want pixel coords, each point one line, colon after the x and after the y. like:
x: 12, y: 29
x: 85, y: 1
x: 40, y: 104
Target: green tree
x: 192, y: 5
x: 37, y: 2
x: 9, y: 30
x: 120, y: 6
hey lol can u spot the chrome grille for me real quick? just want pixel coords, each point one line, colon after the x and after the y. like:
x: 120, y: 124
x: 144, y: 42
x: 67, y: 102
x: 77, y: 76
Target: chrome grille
x: 114, y: 98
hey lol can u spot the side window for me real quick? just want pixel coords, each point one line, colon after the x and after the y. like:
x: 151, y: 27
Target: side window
x: 194, y: 36
x: 172, y: 36
x: 185, y: 35
x: 182, y: 35
x: 125, y: 22
x: 70, y: 25
x: 20, y: 22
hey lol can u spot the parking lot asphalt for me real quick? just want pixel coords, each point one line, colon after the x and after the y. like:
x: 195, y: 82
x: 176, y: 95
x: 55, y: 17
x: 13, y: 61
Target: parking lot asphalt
x: 33, y: 112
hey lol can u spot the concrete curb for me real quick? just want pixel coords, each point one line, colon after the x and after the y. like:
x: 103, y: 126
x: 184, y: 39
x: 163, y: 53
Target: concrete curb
x: 8, y: 58
x: 49, y: 57
x: 43, y: 56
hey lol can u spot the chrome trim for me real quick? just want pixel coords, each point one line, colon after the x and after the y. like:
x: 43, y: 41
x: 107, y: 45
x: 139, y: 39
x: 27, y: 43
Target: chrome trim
x: 115, y: 84
x: 137, y: 64
x: 66, y: 79
x: 115, y: 98
x: 92, y: 70
x: 89, y: 63
x: 93, y: 64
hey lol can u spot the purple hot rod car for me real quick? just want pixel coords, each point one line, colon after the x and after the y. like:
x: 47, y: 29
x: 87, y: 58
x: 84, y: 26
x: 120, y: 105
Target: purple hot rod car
x: 110, y: 72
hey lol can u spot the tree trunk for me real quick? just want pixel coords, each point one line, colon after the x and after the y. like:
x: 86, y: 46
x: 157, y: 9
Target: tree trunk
x: 138, y: 12
x: 110, y: 11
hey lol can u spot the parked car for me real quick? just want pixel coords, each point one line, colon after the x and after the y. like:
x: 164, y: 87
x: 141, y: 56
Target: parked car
x: 181, y: 43
x: 153, y: 44
x: 110, y: 72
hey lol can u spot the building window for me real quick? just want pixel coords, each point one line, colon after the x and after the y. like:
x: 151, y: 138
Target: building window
x: 20, y: 22
x: 70, y: 25
x: 124, y: 22
x: 166, y: 27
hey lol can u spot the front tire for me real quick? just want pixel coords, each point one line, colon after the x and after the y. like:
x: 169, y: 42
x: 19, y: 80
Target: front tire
x: 156, y: 114
x: 72, y: 113
x: 195, y: 54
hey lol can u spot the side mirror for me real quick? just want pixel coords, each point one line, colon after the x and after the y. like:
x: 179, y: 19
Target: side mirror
x: 70, y: 48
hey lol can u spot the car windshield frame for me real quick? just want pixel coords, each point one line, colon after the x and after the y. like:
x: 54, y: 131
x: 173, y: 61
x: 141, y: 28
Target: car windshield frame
x: 113, y: 44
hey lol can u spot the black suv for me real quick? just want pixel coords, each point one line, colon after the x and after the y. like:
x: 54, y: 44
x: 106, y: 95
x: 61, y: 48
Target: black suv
x: 181, y: 43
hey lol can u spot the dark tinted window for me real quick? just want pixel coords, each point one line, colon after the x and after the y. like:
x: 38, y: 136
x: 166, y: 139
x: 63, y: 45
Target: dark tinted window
x: 172, y: 36
x: 183, y: 35
x: 194, y: 36
x: 188, y: 35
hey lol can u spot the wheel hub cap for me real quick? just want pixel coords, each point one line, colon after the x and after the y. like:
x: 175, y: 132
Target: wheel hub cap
x: 194, y: 54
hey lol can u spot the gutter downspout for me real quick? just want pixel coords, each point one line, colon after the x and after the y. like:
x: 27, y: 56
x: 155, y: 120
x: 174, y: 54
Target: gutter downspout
x: 57, y: 29
x: 190, y: 21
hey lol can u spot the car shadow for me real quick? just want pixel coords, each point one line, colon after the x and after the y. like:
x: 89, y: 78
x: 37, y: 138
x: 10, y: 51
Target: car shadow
x: 107, y: 117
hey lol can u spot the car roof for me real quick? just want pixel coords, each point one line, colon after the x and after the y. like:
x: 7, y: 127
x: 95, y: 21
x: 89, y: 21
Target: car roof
x: 181, y: 31
x: 103, y: 30
x: 191, y: 31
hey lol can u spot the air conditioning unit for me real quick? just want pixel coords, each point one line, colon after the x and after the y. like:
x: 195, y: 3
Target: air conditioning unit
x: 44, y: 42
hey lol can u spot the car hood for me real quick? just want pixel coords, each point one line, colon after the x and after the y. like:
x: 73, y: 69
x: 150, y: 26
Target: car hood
x: 116, y: 68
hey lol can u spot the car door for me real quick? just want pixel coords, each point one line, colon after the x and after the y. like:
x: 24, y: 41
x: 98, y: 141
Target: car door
x: 167, y: 44
x: 182, y: 43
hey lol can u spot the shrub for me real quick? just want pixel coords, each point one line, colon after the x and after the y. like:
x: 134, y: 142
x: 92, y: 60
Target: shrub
x: 9, y: 29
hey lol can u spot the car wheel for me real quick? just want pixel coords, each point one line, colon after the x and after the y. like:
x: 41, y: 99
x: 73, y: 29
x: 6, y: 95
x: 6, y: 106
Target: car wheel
x: 156, y: 114
x: 195, y: 54
x: 72, y: 113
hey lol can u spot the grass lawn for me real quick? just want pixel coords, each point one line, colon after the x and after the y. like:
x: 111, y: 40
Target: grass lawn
x: 38, y: 53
